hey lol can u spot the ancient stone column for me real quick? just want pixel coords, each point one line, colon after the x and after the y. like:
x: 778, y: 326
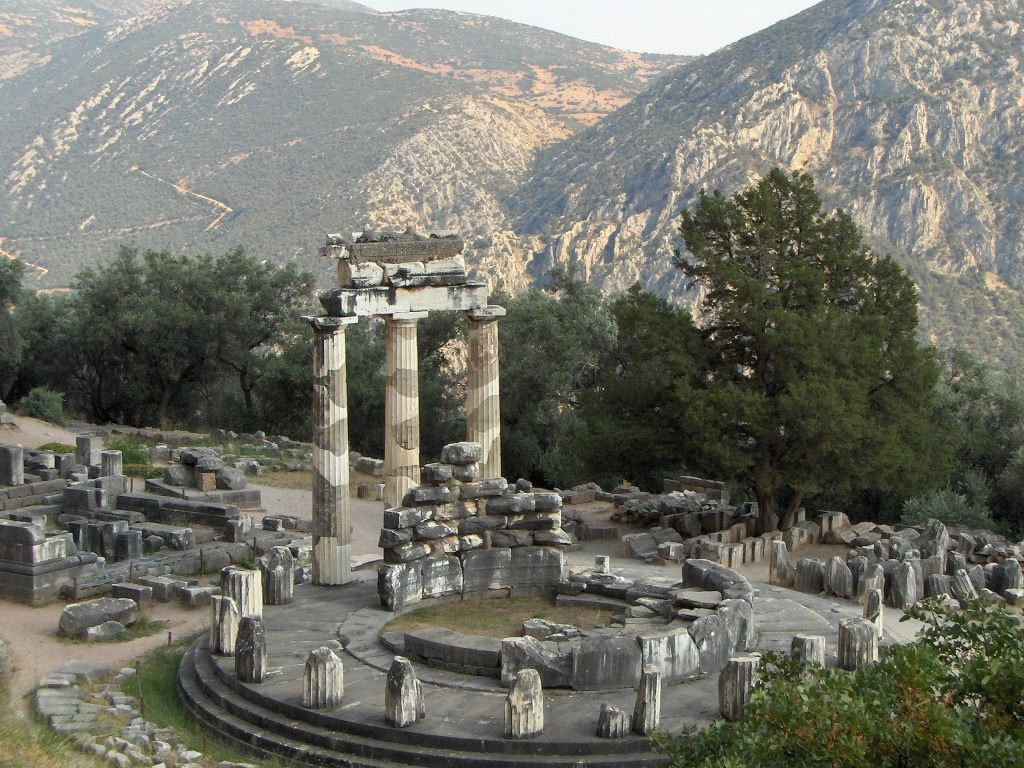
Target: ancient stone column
x: 647, y: 710
x: 809, y: 649
x: 872, y: 578
x: 245, y: 587
x: 810, y: 576
x: 87, y: 450
x: 612, y: 723
x: 735, y: 683
x: 524, y: 706
x: 403, y: 695
x: 963, y: 587
x: 483, y: 412
x: 111, y: 464
x: 401, y: 407
x: 12, y: 465
x: 223, y: 625
x: 331, y: 535
x: 858, y: 644
x: 277, y: 569
x: 251, y: 650
x: 780, y: 568
x: 903, y: 593
x: 323, y: 682
x: 874, y: 611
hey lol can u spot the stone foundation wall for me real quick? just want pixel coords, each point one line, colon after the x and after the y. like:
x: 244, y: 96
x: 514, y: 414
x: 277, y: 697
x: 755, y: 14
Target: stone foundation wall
x: 456, y: 534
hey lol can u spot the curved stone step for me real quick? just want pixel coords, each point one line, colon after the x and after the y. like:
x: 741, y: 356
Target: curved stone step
x: 267, y: 725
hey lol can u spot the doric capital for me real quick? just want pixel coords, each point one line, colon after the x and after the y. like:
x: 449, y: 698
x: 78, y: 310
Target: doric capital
x: 325, y: 323
x: 490, y: 312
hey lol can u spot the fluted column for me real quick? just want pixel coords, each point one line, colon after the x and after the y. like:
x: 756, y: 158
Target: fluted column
x: 483, y: 411
x: 331, y: 532
x: 401, y: 407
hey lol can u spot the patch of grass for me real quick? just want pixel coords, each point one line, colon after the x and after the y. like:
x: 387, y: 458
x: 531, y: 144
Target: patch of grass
x: 157, y: 680
x: 143, y: 471
x: 298, y: 481
x: 496, y: 617
x: 133, y: 450
x: 57, y: 447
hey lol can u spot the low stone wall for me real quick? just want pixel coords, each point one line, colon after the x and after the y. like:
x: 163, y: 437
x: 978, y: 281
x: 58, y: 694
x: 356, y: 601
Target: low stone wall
x: 457, y: 535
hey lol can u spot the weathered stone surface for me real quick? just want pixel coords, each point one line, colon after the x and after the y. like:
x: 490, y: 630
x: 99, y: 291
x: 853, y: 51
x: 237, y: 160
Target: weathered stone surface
x: 403, y: 696
x: 963, y: 588
x: 128, y: 546
x: 179, y: 475
x: 78, y: 617
x: 432, y: 530
x: 670, y: 650
x: 1013, y: 578
x: 511, y: 504
x: 545, y: 501
x: 605, y: 662
x: 903, y: 592
x: 323, y: 680
x: 407, y: 553
x: 647, y: 710
x: 485, y: 489
x: 810, y: 649
x: 399, y: 585
x: 393, y: 537
x: 484, y: 569
x: 858, y: 644
x: 223, y: 625
x: 735, y: 684
x: 838, y: 578
x: 874, y: 611
x: 639, y: 546
x: 462, y: 453
x: 245, y: 587
x: 251, y: 650
x: 407, y: 517
x: 230, y: 479
x: 277, y: 570
x: 524, y: 706
x: 810, y: 576
x: 105, y: 631
x: 436, y: 474
x: 441, y: 576
x: 557, y: 538
x: 738, y: 618
x: 12, y: 465
x: 936, y: 584
x: 536, y: 567
x: 872, y: 578
x: 612, y: 722
x: 509, y: 539
x: 780, y: 569
x: 519, y: 653
x: 934, y: 540
x: 419, y: 495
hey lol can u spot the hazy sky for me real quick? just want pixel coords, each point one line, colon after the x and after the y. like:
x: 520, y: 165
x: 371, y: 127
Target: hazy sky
x: 650, y: 26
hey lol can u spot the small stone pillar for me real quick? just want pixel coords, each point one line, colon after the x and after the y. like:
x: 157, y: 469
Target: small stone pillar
x: 128, y: 546
x: 780, y: 568
x: 603, y: 564
x: 810, y: 576
x: 858, y: 644
x: 872, y: 578
x: 403, y: 695
x: 874, y: 611
x: 277, y: 570
x: 251, y: 650
x: 809, y: 649
x: 223, y: 625
x: 88, y: 449
x: 612, y: 723
x: 735, y: 683
x: 483, y: 406
x: 323, y: 682
x: 245, y: 587
x: 12, y: 465
x: 524, y: 706
x: 332, y: 547
x: 647, y: 710
x: 963, y: 587
x: 111, y: 464
x: 401, y: 407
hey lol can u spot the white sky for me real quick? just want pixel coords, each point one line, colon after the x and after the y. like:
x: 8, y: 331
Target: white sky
x: 648, y: 26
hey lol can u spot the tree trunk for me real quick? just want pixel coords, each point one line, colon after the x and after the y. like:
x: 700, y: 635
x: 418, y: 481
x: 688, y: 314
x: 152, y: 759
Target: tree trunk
x: 767, y: 520
x: 789, y: 513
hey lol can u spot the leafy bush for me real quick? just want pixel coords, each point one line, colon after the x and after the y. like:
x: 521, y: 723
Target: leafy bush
x: 45, y: 404
x: 949, y: 507
x: 57, y: 447
x: 133, y: 450
x: 143, y: 471
x: 950, y: 698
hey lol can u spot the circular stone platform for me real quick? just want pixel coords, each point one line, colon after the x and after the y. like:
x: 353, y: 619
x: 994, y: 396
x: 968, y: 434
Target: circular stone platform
x: 464, y: 724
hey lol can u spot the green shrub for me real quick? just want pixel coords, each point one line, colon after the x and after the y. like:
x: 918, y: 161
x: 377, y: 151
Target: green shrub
x: 133, y: 450
x: 45, y: 404
x: 142, y: 471
x: 947, y: 506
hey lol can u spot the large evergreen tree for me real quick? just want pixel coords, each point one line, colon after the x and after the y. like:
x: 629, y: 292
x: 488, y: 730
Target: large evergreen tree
x: 814, y: 377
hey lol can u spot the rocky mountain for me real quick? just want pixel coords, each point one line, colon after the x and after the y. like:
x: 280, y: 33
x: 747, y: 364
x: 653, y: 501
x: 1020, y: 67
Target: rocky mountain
x: 206, y: 124
x: 908, y: 113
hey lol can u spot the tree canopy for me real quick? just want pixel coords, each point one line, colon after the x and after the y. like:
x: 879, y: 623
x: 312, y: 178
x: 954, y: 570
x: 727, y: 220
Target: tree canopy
x: 813, y: 375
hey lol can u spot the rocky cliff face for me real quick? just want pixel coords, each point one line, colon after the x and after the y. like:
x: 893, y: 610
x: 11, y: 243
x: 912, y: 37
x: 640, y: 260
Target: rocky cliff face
x: 909, y: 113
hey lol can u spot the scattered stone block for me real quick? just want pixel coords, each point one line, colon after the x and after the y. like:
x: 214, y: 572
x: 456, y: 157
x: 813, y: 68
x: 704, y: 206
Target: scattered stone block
x: 809, y: 649
x: 780, y: 569
x: 196, y: 596
x: 810, y: 576
x: 399, y: 585
x: 735, y: 684
x: 647, y: 710
x: 612, y: 722
x: 108, y: 630
x: 404, y: 704
x: 903, y: 592
x: 838, y: 578
x: 323, y: 680
x: 251, y: 650
x: 524, y: 706
x: 128, y: 546
x: 139, y: 593
x: 874, y: 611
x: 462, y: 453
x: 78, y: 617
x: 605, y: 662
x: 519, y: 653
x: 245, y: 587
